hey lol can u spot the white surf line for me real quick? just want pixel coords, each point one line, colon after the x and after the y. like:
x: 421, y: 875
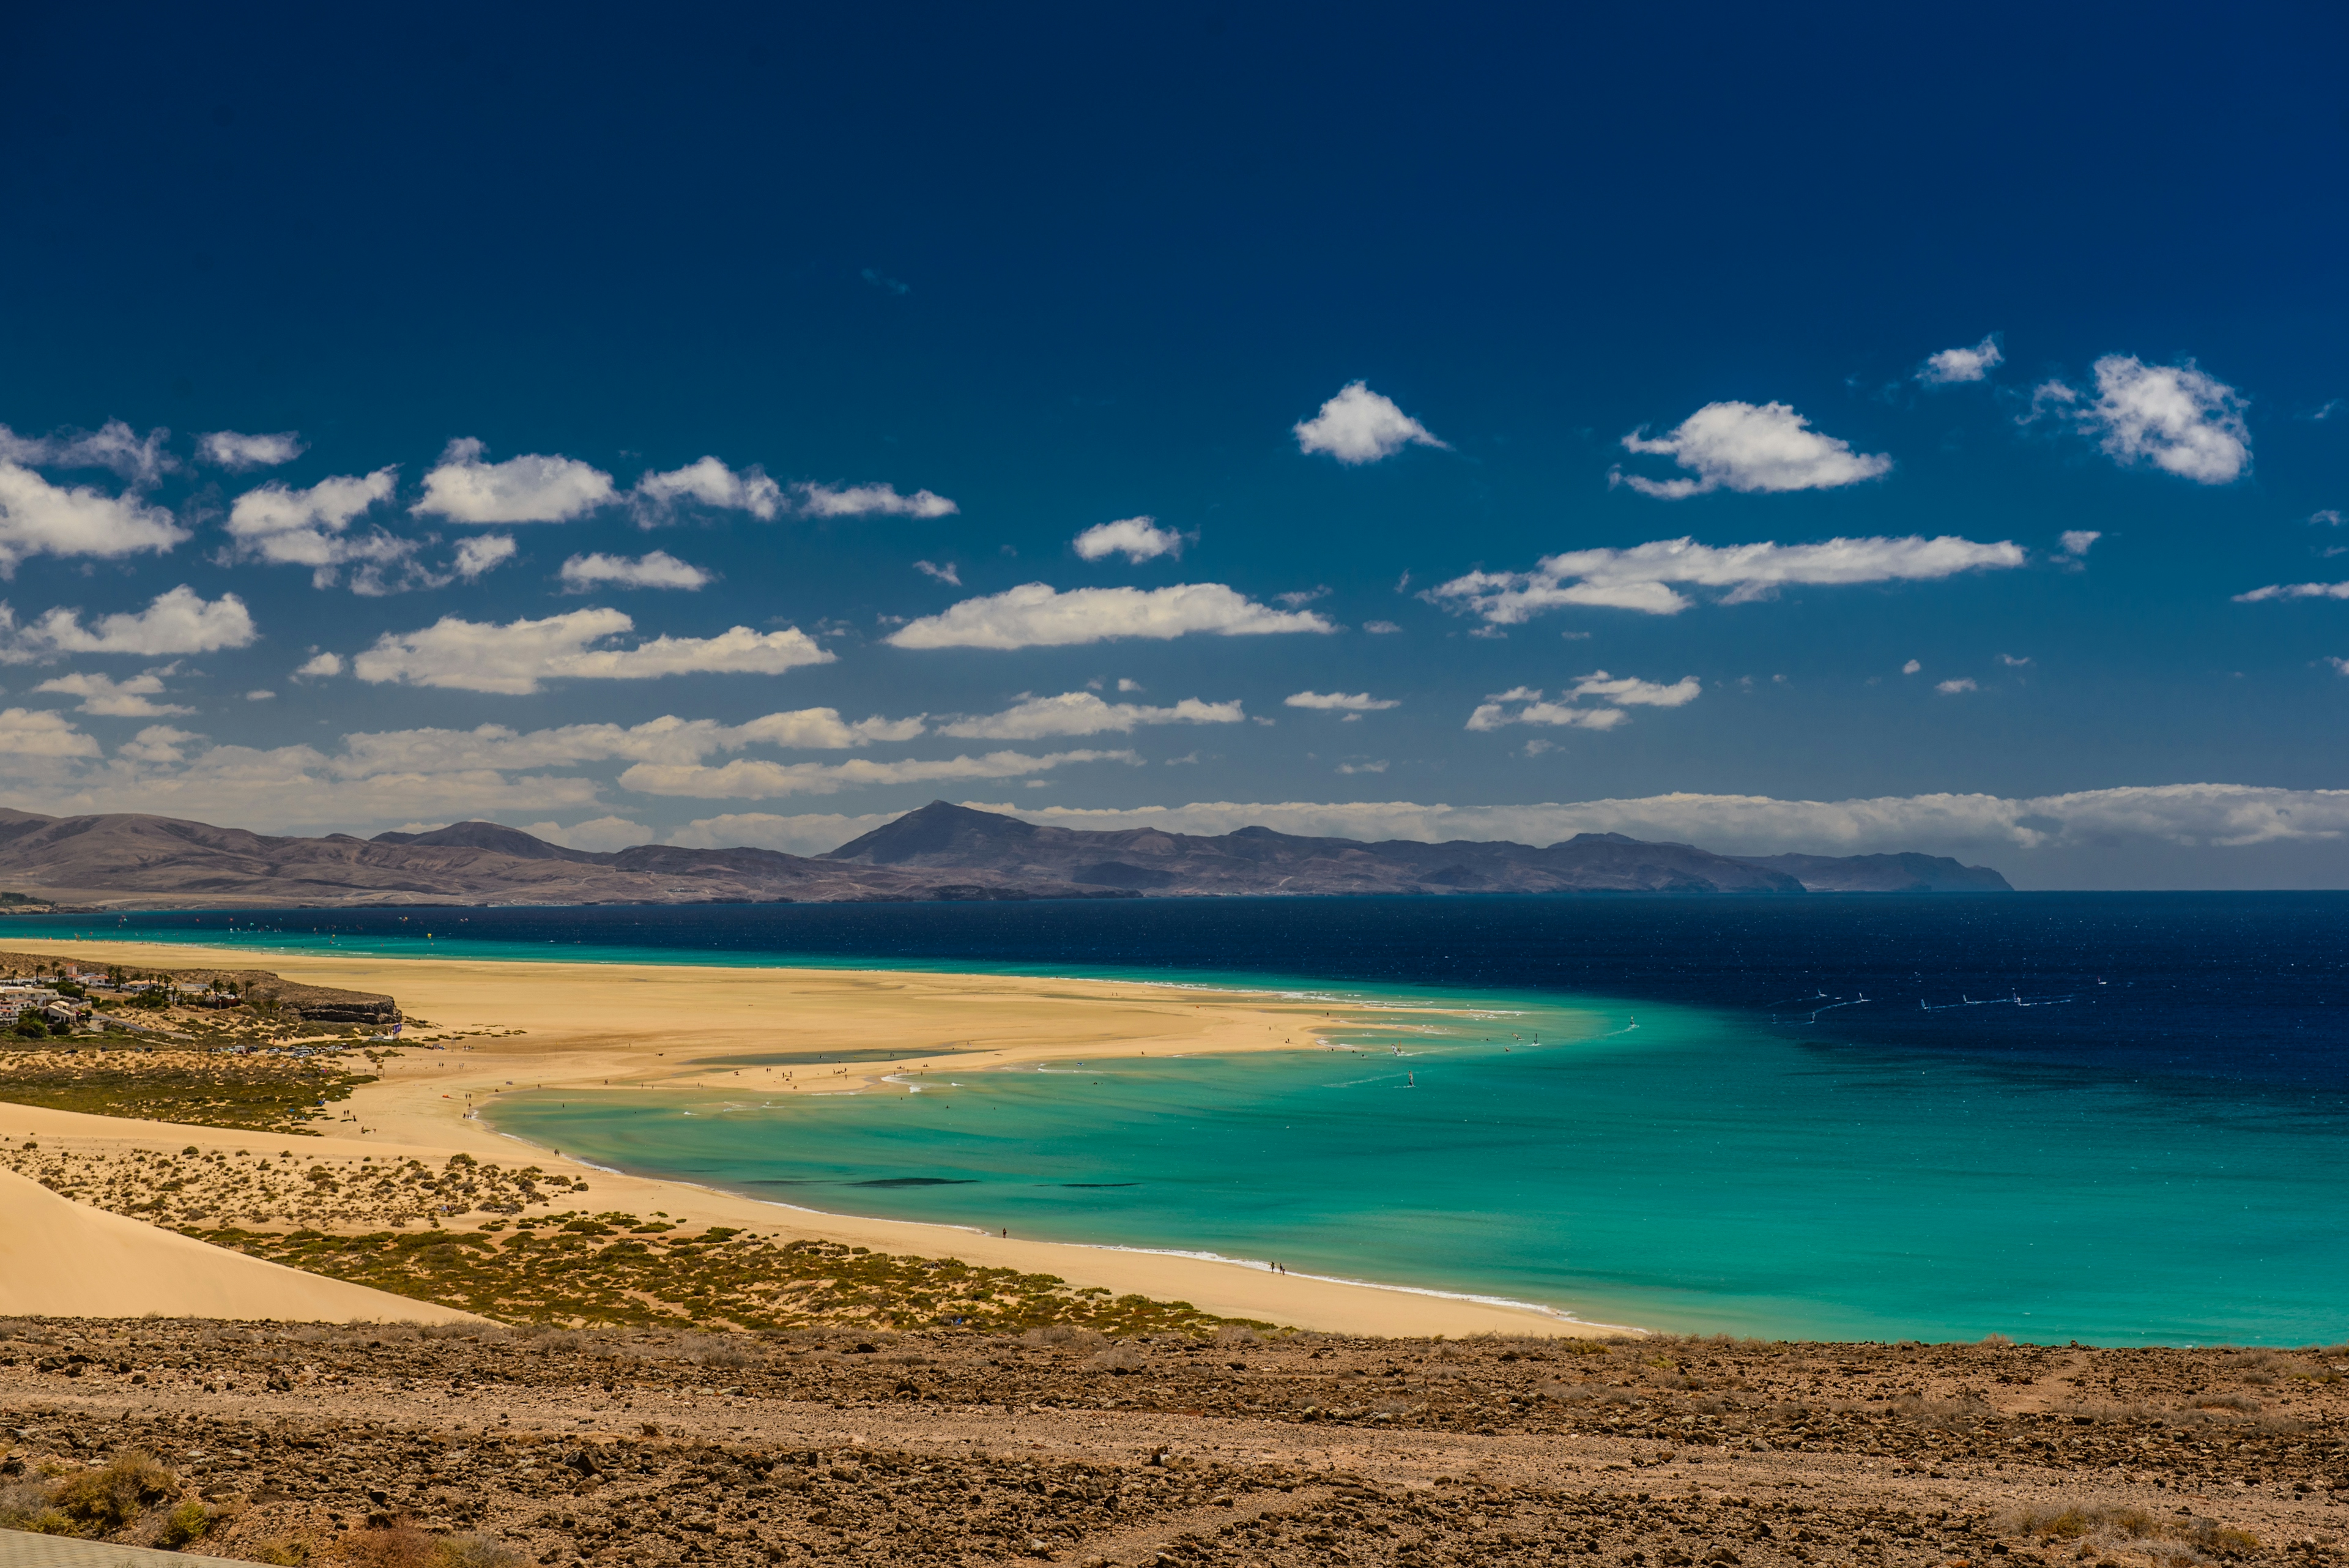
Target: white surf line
x: 1258, y: 1266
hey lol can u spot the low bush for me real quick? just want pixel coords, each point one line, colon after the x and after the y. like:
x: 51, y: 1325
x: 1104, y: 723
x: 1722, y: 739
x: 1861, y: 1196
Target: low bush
x: 103, y: 1500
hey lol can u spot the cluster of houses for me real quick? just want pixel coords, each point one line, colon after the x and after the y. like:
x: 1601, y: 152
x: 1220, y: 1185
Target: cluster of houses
x: 18, y: 998
x: 60, y: 1009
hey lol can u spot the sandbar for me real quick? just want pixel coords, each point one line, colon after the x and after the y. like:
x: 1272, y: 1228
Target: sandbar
x: 516, y: 1026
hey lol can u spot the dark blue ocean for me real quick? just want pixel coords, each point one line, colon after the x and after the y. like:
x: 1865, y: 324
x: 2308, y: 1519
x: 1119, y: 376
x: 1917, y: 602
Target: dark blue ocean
x: 2115, y: 1118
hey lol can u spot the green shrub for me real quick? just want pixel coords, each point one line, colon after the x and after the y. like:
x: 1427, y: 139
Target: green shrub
x: 186, y: 1524
x: 103, y: 1500
x: 469, y: 1551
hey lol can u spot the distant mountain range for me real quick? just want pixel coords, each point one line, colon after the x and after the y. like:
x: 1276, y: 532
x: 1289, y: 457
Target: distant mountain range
x: 940, y: 852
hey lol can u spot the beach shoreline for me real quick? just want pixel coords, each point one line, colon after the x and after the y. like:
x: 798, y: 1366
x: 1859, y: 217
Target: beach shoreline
x: 529, y: 1025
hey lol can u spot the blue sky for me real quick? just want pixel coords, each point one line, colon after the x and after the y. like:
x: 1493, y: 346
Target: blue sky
x: 1205, y: 415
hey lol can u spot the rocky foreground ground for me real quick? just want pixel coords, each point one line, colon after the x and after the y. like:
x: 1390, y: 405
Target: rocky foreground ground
x: 652, y: 1445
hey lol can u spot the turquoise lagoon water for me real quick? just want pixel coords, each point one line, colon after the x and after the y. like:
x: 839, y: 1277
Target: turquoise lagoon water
x: 1688, y: 1173
x: 2110, y: 1118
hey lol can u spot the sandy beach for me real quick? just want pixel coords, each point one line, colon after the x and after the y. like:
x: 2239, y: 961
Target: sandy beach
x: 508, y: 1027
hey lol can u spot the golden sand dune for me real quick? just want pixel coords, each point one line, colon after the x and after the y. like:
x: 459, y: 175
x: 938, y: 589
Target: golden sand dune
x: 525, y: 1028
x: 59, y: 1259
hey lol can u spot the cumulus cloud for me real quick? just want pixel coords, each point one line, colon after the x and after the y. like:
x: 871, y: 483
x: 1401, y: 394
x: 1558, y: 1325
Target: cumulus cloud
x: 238, y: 453
x: 1640, y: 578
x: 1360, y: 426
x: 1629, y: 693
x: 1339, y: 701
x: 2076, y: 541
x: 496, y: 747
x: 1036, y: 615
x: 1910, y: 668
x: 2175, y: 417
x: 870, y: 501
x: 483, y: 554
x: 601, y: 835
x: 38, y: 518
x: 284, y: 526
x: 711, y: 484
x: 1083, y: 713
x: 515, y: 658
x: 102, y: 695
x: 137, y: 460
x: 322, y: 664
x: 1952, y: 365
x: 2294, y: 591
x: 31, y: 734
x: 1527, y: 705
x: 1498, y: 715
x: 1381, y: 628
x: 2197, y: 816
x: 528, y: 488
x: 179, y: 621
x: 1138, y: 539
x: 1953, y: 688
x: 810, y: 833
x: 757, y: 779
x: 946, y: 574
x: 1740, y: 446
x: 658, y: 569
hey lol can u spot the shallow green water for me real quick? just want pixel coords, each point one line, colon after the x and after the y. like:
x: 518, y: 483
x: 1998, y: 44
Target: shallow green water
x: 1693, y: 1172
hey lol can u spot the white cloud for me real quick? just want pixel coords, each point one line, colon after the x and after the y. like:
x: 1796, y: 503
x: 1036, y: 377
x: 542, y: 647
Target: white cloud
x: 1951, y: 365
x: 870, y: 501
x: 814, y: 833
x: 514, y: 659
x: 1497, y: 712
x: 946, y: 574
x: 277, y: 524
x: 483, y: 554
x: 750, y: 779
x: 1381, y: 628
x: 2014, y: 660
x: 2294, y: 591
x: 1953, y: 688
x: 1339, y: 701
x: 38, y: 518
x: 1495, y: 715
x: 528, y: 488
x: 179, y: 621
x: 711, y: 483
x: 1138, y: 539
x: 658, y: 569
x: 2340, y: 665
x: 103, y: 695
x: 322, y: 664
x: 1629, y: 693
x: 1035, y: 615
x: 2175, y: 417
x: 260, y: 696
x: 1639, y: 578
x: 2229, y: 816
x: 602, y: 835
x: 2331, y: 517
x: 1083, y: 713
x: 2077, y: 541
x: 1360, y: 426
x: 238, y: 453
x: 495, y: 748
x: 1361, y: 767
x: 137, y: 460
x: 1910, y: 668
x: 26, y: 734
x: 1743, y: 447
